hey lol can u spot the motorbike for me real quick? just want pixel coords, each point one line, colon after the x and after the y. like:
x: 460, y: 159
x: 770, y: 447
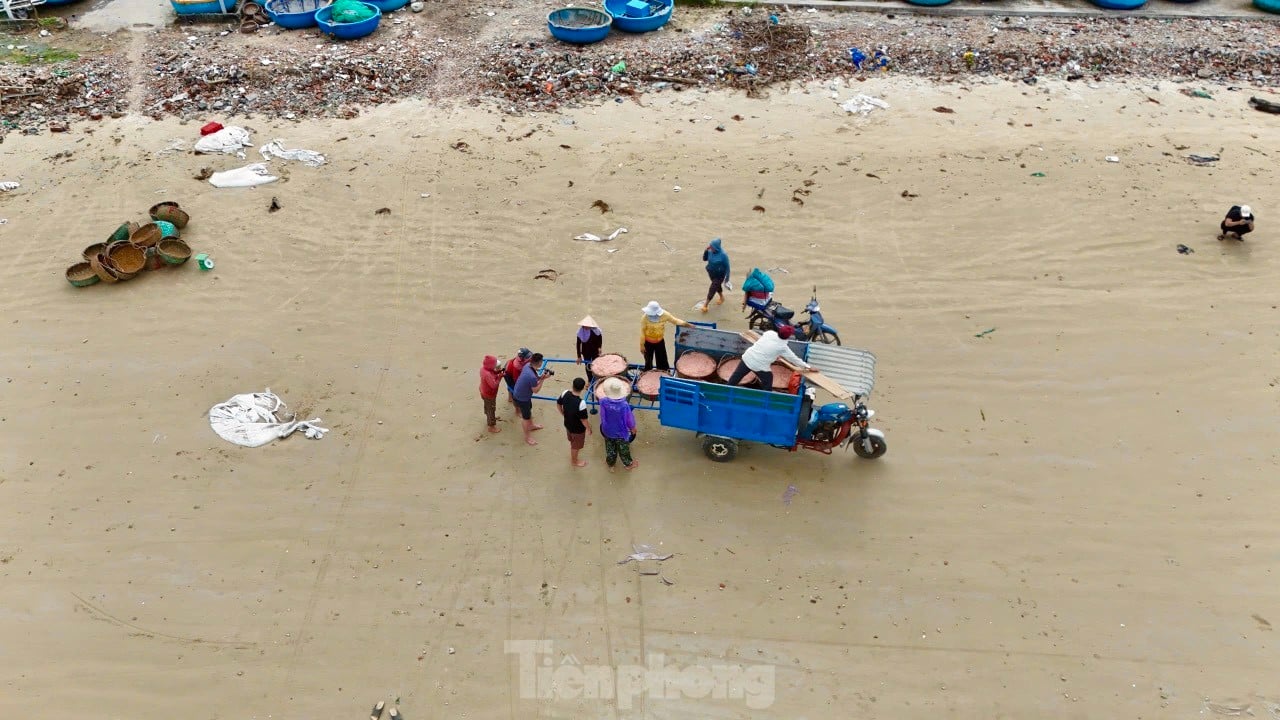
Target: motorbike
x: 835, y: 423
x: 772, y: 315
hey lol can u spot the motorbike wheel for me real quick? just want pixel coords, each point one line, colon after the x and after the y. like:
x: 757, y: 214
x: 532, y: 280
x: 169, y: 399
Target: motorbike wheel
x: 878, y: 448
x: 760, y: 324
x: 827, y: 338
x: 720, y: 449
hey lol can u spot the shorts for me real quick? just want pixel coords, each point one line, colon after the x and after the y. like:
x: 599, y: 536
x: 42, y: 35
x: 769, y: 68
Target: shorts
x: 576, y: 440
x: 526, y: 409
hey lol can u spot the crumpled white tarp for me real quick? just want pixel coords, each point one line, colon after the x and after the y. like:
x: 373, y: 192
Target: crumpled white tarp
x: 247, y: 176
x: 254, y: 419
x: 590, y: 237
x: 276, y: 148
x: 229, y: 140
x: 863, y: 104
x: 10, y: 185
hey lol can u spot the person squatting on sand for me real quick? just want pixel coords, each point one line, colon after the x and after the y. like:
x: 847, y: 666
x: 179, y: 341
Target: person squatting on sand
x: 1239, y: 220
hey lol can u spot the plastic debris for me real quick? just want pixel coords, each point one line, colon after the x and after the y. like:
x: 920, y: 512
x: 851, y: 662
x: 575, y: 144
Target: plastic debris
x: 863, y: 104
x: 230, y: 140
x: 591, y: 237
x: 255, y: 419
x: 276, y: 148
x: 9, y: 186
x: 247, y: 176
x: 640, y: 553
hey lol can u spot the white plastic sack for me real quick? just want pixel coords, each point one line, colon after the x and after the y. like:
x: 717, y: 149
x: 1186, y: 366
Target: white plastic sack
x: 254, y: 419
x: 229, y: 140
x: 247, y: 176
x: 863, y: 104
x: 7, y: 186
x: 276, y: 148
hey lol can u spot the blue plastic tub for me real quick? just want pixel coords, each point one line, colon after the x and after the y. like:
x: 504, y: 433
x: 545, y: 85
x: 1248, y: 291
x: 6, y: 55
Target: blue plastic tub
x: 1119, y: 4
x: 660, y: 13
x: 212, y: 7
x: 387, y: 6
x: 579, y: 25
x: 294, y: 14
x: 928, y: 3
x: 59, y: 2
x: 347, y: 31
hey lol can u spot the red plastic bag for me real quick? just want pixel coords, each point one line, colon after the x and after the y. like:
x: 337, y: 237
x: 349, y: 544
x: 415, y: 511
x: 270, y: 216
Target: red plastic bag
x: 211, y: 128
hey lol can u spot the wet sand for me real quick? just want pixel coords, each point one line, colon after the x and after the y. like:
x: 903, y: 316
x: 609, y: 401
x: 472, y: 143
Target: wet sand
x: 1075, y: 517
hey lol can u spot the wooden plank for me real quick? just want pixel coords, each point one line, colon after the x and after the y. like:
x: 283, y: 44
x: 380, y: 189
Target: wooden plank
x: 814, y: 376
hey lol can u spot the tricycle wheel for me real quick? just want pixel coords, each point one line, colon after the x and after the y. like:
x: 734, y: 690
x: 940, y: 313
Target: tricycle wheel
x: 878, y: 447
x: 720, y: 449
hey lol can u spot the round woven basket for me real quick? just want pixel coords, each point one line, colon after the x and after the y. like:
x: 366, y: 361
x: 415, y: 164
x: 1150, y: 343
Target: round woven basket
x: 82, y: 275
x: 167, y: 229
x: 173, y: 251
x: 94, y: 249
x: 147, y: 235
x: 694, y: 365
x: 126, y: 259
x: 781, y: 376
x: 609, y: 365
x: 100, y: 268
x: 649, y: 383
x: 123, y: 232
x: 169, y: 212
x: 728, y: 365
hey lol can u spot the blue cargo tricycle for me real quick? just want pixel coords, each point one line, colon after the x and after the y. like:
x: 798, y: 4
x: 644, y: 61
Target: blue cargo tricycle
x: 726, y: 415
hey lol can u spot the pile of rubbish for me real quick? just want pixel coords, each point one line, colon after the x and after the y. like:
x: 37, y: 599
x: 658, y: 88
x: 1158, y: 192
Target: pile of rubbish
x: 137, y: 247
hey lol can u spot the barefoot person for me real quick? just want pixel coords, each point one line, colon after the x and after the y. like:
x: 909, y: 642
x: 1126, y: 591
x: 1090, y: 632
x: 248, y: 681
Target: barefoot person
x: 617, y: 422
x: 529, y: 383
x: 1239, y: 221
x: 490, y: 375
x: 512, y: 372
x: 718, y: 270
x: 574, y: 409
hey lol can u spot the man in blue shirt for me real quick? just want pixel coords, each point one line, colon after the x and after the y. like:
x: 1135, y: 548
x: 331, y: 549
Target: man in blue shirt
x: 529, y: 383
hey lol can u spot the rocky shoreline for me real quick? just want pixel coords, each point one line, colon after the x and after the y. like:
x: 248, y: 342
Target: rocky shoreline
x: 508, y: 60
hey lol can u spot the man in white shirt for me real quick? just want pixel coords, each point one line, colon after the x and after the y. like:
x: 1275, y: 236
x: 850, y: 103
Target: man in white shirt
x: 759, y: 358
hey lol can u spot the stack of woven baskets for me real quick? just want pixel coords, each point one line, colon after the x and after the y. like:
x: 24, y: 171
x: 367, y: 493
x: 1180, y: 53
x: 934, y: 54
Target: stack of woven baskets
x: 133, y: 248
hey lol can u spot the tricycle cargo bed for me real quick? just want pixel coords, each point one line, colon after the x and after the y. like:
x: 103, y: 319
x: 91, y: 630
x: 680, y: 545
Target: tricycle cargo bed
x: 732, y: 412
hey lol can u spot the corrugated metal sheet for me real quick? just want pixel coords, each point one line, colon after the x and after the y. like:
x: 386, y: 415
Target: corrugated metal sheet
x: 854, y: 369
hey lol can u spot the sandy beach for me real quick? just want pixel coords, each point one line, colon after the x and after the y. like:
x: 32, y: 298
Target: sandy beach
x: 1075, y: 518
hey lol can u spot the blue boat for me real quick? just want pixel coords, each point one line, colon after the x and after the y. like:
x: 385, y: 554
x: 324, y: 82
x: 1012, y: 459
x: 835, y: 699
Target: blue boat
x: 347, y: 31
x: 637, y: 16
x: 294, y: 14
x: 58, y: 2
x: 928, y: 3
x: 1271, y: 6
x: 1120, y: 4
x: 203, y: 7
x: 580, y: 26
x: 387, y: 6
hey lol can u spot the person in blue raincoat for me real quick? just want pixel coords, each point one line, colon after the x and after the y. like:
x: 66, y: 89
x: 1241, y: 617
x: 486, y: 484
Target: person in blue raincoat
x: 718, y: 270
